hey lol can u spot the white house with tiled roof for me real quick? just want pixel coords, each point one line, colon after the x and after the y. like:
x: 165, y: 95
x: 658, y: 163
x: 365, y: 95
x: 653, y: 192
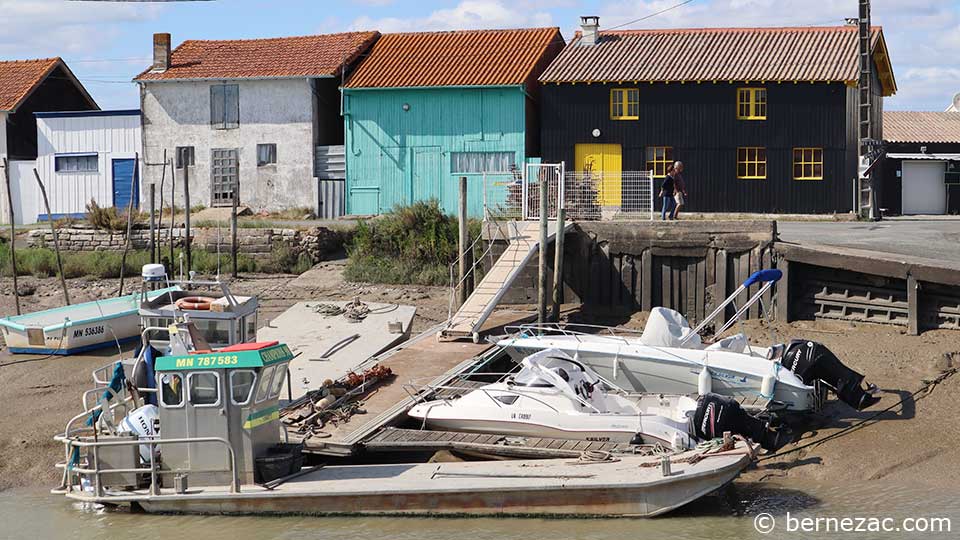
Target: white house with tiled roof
x: 259, y: 118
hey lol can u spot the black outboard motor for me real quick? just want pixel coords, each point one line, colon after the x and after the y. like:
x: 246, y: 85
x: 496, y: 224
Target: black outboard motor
x: 716, y: 414
x: 812, y: 361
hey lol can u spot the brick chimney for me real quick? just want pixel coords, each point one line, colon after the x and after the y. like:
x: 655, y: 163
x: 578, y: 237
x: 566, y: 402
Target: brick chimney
x: 590, y: 26
x: 161, y: 53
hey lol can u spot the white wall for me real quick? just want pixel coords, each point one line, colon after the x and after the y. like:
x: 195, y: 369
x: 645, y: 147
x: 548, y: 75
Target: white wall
x: 110, y: 137
x: 276, y: 111
x: 3, y: 154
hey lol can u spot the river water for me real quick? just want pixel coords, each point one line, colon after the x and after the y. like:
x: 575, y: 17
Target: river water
x: 731, y: 515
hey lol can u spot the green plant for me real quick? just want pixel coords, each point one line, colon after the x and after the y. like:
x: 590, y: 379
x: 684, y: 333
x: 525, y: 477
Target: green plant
x: 108, y: 219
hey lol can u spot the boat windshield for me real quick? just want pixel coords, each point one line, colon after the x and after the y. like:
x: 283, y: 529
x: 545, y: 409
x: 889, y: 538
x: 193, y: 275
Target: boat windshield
x: 532, y: 376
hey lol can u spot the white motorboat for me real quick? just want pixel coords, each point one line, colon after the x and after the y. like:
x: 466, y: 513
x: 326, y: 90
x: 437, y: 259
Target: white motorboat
x: 670, y: 358
x: 555, y: 396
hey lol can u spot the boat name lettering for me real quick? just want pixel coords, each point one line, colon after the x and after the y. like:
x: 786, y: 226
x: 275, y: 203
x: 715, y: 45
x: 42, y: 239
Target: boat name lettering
x: 88, y: 331
x: 273, y: 355
x: 598, y: 439
x: 520, y: 416
x: 207, y: 361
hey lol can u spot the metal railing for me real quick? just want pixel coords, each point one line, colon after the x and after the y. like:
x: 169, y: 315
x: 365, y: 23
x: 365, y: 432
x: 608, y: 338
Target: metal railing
x: 585, y: 195
x: 568, y: 329
x: 154, y: 469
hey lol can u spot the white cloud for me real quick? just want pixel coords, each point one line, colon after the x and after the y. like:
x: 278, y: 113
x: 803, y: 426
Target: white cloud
x: 468, y: 14
x: 33, y: 28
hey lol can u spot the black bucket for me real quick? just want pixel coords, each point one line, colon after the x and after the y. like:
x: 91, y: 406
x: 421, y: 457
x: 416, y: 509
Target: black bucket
x: 271, y: 467
x: 294, y: 449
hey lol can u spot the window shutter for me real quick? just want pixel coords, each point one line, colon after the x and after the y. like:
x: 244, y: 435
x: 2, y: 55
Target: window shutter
x: 216, y: 106
x: 231, y: 100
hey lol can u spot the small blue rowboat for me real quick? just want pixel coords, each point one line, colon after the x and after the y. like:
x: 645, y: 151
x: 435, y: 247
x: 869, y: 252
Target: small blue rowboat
x: 77, y: 328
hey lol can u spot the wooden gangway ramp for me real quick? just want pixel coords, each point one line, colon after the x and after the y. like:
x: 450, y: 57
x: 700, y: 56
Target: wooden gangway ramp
x: 419, y: 363
x: 390, y: 439
x: 524, y: 244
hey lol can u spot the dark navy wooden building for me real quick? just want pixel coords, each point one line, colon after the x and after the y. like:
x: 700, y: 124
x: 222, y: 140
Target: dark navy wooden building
x: 921, y: 169
x: 764, y: 119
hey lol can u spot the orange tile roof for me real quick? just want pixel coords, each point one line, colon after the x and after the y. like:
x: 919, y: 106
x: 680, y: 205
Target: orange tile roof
x: 457, y: 58
x: 18, y: 79
x: 921, y: 127
x: 825, y: 54
x: 286, y: 57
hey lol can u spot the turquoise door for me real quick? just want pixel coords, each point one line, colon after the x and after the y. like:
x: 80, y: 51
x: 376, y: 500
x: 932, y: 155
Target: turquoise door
x: 123, y: 172
x: 427, y: 178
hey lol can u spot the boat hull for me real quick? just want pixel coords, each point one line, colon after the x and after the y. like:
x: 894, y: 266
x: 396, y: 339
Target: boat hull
x: 77, y: 328
x: 633, y: 486
x: 648, y: 370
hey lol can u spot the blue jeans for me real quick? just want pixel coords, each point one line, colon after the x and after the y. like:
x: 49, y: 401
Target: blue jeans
x: 669, y: 205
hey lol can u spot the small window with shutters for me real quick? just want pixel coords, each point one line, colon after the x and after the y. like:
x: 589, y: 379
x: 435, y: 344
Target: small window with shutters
x: 225, y: 106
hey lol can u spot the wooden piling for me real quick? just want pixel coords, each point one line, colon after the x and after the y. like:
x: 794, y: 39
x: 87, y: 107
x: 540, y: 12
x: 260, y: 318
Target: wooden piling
x: 13, y: 233
x: 462, y: 242
x: 173, y: 213
x: 126, y: 243
x: 163, y: 177
x: 913, y: 306
x: 542, y: 273
x: 56, y: 238
x: 153, y: 209
x: 186, y: 219
x: 558, y: 265
x: 234, y: 248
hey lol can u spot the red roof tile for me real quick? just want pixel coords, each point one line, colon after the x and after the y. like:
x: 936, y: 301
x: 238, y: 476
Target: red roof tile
x: 921, y: 127
x: 287, y: 57
x: 18, y: 78
x: 457, y: 58
x: 707, y: 54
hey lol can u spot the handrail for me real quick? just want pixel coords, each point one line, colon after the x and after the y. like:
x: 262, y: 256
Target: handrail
x: 152, y: 443
x: 471, y: 271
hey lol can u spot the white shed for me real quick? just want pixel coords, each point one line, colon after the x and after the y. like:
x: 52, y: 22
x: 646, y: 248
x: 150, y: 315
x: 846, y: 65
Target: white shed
x: 87, y: 155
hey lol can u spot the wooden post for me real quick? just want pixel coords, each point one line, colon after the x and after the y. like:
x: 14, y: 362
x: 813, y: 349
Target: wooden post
x: 173, y: 214
x: 153, y: 230
x: 186, y: 209
x: 913, y: 306
x: 462, y: 242
x: 163, y: 176
x: 56, y: 238
x: 13, y: 233
x: 558, y: 265
x: 234, y: 248
x: 783, y: 292
x: 542, y: 275
x: 126, y: 243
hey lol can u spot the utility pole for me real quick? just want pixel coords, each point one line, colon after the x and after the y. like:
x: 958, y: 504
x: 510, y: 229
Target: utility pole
x: 866, y: 195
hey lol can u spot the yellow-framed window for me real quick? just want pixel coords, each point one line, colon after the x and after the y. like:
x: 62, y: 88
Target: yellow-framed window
x: 624, y: 103
x: 658, y: 159
x: 752, y: 103
x: 808, y: 163
x: 752, y: 163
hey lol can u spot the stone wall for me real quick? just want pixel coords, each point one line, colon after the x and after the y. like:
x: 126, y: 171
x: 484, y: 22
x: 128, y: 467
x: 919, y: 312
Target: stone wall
x: 317, y: 242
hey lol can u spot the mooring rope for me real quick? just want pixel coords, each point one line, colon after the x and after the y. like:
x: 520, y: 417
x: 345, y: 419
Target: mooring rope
x: 928, y: 387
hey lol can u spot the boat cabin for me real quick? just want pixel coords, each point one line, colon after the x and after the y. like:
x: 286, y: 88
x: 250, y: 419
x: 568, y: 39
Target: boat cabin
x: 231, y: 395
x: 222, y: 318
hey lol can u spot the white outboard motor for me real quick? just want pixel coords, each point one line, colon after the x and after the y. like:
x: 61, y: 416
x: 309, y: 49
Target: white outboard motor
x: 141, y: 422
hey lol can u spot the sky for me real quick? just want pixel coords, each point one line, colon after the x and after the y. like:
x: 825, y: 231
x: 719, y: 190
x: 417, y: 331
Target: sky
x: 107, y: 43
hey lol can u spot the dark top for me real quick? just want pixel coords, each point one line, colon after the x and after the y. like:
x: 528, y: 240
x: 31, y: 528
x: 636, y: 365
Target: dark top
x: 666, y: 187
x: 678, y: 183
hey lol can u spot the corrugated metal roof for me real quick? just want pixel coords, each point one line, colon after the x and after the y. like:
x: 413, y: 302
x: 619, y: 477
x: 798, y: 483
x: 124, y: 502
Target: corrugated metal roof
x: 285, y: 57
x: 819, y: 54
x: 18, y: 78
x: 921, y: 127
x: 458, y: 58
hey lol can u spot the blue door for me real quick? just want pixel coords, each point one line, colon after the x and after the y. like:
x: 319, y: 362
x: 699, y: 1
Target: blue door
x: 123, y: 171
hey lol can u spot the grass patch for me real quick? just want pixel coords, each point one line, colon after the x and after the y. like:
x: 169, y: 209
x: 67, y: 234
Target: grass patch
x: 41, y: 262
x: 412, y: 244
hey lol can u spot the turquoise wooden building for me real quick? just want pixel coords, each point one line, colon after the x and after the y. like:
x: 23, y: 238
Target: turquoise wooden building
x: 424, y: 109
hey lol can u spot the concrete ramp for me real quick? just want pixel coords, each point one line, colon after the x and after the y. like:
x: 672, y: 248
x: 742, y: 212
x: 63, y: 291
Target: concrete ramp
x: 524, y: 238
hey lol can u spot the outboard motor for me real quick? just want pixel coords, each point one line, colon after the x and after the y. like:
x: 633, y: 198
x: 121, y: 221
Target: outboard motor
x: 811, y: 361
x: 716, y: 414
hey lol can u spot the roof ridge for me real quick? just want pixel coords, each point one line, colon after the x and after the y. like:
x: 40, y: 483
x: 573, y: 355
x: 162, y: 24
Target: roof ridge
x: 472, y: 31
x: 276, y: 38
x: 723, y: 29
x: 32, y: 60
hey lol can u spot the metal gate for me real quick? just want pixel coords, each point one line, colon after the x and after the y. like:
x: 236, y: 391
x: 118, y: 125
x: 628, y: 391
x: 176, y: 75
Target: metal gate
x: 224, y: 176
x: 539, y: 176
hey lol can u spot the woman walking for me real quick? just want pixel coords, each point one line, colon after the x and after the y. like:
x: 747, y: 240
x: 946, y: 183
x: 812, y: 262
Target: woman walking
x: 679, y: 189
x: 667, y: 191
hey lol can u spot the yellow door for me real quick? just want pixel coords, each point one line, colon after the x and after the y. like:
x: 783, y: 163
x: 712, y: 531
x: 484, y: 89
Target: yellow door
x: 604, y: 161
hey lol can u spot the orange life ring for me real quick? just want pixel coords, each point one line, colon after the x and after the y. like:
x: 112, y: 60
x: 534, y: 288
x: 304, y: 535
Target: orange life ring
x: 198, y: 303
